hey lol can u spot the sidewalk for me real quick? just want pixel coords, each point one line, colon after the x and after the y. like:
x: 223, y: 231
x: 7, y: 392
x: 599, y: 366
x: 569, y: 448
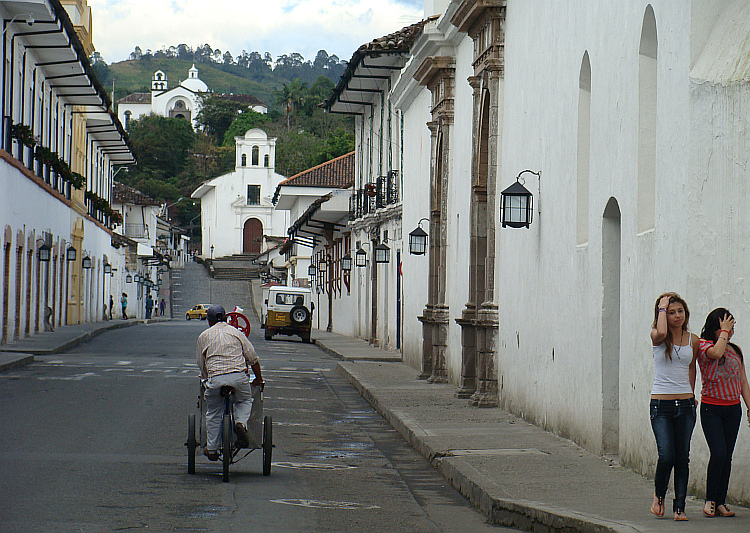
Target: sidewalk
x: 518, y: 474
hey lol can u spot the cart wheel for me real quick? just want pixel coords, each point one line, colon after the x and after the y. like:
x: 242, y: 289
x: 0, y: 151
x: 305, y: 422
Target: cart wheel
x: 267, y: 444
x: 192, y: 444
x: 226, y: 446
x: 239, y: 321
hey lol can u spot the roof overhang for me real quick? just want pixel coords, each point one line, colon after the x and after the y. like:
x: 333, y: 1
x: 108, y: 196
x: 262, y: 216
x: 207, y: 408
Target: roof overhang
x: 202, y: 190
x: 324, y: 218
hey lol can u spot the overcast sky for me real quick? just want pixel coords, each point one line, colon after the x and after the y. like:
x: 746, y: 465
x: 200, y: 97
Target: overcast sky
x: 275, y: 26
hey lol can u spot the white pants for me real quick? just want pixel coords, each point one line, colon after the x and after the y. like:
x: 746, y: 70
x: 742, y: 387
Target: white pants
x: 243, y: 404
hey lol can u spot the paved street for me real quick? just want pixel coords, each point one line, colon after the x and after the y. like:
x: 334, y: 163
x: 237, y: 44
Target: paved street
x: 93, y: 439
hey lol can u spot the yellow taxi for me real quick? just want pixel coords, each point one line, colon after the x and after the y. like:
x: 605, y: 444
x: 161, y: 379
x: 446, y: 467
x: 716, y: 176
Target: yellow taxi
x: 199, y: 311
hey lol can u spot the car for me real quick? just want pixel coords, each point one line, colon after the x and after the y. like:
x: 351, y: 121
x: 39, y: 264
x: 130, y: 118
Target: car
x: 199, y: 311
x: 289, y: 312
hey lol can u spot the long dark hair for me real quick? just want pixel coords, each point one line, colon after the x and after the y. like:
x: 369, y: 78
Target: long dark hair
x: 674, y: 298
x: 713, y: 324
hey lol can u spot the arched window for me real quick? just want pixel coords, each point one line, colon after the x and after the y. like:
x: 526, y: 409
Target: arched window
x: 244, y: 160
x: 179, y: 104
x: 256, y: 155
x: 584, y: 150
x: 266, y: 159
x: 647, y: 98
x: 128, y: 115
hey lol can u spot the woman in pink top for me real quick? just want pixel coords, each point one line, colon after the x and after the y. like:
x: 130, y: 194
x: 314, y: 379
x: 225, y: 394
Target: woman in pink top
x: 724, y: 381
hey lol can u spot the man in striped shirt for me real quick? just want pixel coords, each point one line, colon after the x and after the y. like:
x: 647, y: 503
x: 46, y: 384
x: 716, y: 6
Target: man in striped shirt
x: 224, y: 354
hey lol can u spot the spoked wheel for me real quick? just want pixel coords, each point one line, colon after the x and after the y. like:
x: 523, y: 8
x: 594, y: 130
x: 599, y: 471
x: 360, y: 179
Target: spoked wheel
x: 267, y: 444
x: 191, y: 444
x: 226, y: 446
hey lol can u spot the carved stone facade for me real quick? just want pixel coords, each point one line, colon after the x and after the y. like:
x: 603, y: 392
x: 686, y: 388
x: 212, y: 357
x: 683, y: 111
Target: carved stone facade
x: 437, y: 73
x: 484, y: 21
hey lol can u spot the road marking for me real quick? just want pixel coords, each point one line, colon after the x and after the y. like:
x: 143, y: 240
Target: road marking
x: 318, y: 504
x: 77, y: 377
x: 319, y: 466
x: 294, y: 424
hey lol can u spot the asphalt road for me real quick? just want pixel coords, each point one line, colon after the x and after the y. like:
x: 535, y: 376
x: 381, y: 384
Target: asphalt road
x: 93, y: 440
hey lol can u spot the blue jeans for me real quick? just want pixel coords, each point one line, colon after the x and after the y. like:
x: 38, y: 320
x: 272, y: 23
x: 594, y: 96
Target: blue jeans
x: 720, y: 423
x: 672, y: 422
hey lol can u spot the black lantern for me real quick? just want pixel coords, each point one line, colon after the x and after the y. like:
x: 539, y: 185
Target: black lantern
x: 312, y: 271
x: 346, y: 263
x: 137, y: 278
x: 129, y: 279
x: 107, y: 268
x: 322, y: 264
x: 44, y: 252
x: 382, y: 253
x: 418, y: 240
x: 517, y: 205
x: 70, y: 254
x: 360, y: 257
x: 86, y: 262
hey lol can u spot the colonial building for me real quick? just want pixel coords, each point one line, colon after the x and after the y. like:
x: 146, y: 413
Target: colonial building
x: 59, y: 142
x: 181, y: 101
x: 318, y: 202
x: 236, y: 208
x: 624, y: 127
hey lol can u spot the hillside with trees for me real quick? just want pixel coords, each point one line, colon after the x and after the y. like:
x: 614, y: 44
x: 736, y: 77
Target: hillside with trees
x: 173, y: 159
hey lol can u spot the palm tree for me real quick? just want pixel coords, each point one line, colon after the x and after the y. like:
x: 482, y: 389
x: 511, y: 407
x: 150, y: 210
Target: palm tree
x: 291, y: 97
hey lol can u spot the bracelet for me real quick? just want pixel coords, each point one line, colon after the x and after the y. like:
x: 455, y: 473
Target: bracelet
x: 723, y: 330
x: 662, y: 309
x: 724, y: 338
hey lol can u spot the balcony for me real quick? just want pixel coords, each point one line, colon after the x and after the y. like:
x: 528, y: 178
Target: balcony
x: 381, y: 193
x: 136, y: 231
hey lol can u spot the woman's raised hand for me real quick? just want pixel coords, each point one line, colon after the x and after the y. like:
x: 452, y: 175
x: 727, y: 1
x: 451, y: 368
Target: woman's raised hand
x: 727, y: 323
x: 664, y: 302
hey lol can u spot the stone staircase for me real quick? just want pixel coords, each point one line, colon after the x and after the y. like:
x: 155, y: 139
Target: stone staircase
x: 237, y: 267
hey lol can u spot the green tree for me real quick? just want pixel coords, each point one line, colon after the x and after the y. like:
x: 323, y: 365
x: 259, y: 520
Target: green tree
x: 290, y: 97
x: 338, y: 143
x: 217, y: 114
x: 245, y: 121
x: 161, y: 145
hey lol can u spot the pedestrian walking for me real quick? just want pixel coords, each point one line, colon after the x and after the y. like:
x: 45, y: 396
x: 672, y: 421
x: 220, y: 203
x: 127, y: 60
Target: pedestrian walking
x: 673, y: 406
x: 124, y: 304
x: 149, y: 305
x: 162, y: 307
x: 111, y: 305
x: 724, y: 381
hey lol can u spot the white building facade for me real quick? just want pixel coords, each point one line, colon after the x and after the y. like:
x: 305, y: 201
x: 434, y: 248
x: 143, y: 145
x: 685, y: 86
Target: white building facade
x: 60, y: 141
x: 630, y: 117
x: 237, y: 208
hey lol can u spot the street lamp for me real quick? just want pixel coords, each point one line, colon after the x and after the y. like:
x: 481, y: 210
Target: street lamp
x: 312, y: 272
x: 322, y: 265
x: 86, y: 262
x: 129, y: 278
x: 212, y: 252
x: 44, y: 252
x: 382, y: 253
x: 346, y: 263
x: 360, y: 257
x: 107, y: 268
x: 70, y: 254
x: 517, y: 203
x: 418, y: 240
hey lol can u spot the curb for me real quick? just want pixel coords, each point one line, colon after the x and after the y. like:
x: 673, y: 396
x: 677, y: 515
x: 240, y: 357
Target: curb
x: 73, y: 342
x: 522, y: 514
x: 21, y: 360
x: 338, y: 355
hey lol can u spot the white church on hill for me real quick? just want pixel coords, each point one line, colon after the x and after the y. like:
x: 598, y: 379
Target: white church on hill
x: 236, y: 208
x: 181, y: 101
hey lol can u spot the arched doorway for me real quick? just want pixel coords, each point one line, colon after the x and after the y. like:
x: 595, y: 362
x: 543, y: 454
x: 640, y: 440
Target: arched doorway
x: 611, y: 254
x: 252, y: 232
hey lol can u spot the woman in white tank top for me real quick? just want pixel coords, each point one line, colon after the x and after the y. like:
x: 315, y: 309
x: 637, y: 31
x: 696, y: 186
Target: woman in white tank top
x: 672, y: 408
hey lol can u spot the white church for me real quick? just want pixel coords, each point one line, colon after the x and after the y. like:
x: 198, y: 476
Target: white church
x: 236, y: 208
x: 181, y: 101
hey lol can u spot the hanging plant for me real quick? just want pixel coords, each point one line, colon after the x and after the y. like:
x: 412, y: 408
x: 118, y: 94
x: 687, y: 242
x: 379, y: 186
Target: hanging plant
x: 23, y: 134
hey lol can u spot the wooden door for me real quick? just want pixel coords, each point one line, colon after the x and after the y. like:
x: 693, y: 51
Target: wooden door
x: 252, y: 234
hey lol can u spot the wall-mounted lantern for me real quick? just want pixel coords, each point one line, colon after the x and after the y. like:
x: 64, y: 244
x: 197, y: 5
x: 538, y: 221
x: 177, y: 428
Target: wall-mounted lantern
x: 86, y: 262
x: 360, y: 257
x: 129, y: 278
x: 418, y: 240
x: 517, y: 205
x: 322, y: 265
x: 107, y: 268
x: 138, y: 278
x: 312, y: 271
x: 346, y: 263
x: 44, y: 252
x: 70, y: 254
x: 382, y: 253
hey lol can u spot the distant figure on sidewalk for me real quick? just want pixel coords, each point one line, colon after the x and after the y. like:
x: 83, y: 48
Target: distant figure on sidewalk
x: 111, y: 305
x: 149, y: 305
x: 724, y: 381
x: 673, y: 405
x: 124, y: 304
x: 162, y: 307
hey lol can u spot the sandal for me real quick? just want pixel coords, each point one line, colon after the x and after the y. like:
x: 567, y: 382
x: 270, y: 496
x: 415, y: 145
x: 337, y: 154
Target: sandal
x: 213, y: 455
x: 711, y: 512
x: 680, y: 516
x: 723, y: 510
x: 657, y: 508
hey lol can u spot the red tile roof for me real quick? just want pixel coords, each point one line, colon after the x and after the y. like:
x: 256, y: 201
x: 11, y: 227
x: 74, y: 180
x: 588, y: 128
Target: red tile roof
x: 122, y: 194
x: 337, y: 173
x: 136, y: 98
